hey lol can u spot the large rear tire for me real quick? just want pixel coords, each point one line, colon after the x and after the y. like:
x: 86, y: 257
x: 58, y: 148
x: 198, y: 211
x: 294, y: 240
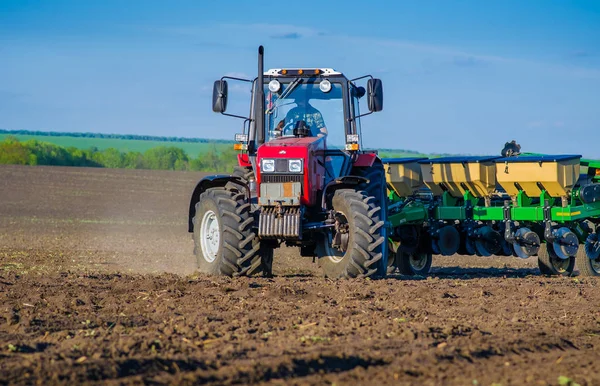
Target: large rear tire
x: 376, y: 186
x: 243, y: 172
x: 364, y: 241
x: 224, y: 241
x: 552, y: 265
x: 246, y: 174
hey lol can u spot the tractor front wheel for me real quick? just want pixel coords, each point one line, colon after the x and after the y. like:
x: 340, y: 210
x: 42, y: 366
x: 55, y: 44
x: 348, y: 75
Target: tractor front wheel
x: 355, y: 247
x: 224, y: 242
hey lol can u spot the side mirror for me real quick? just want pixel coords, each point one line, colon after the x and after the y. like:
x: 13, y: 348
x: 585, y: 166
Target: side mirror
x: 219, y: 99
x: 375, y: 95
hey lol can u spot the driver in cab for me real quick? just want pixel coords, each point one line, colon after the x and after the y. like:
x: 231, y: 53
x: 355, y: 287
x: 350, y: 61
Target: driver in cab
x: 303, y: 111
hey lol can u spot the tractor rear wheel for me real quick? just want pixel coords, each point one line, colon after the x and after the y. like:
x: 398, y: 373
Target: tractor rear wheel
x: 550, y: 264
x: 224, y: 241
x: 358, y: 238
x: 242, y: 172
x: 376, y: 186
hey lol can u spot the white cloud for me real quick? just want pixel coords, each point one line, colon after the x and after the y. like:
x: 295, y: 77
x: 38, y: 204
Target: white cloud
x: 241, y: 75
x: 536, y: 124
x: 276, y: 30
x: 450, y: 53
x: 545, y: 124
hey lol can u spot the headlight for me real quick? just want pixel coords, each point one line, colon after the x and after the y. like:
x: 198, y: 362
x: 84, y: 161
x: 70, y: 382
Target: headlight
x: 274, y: 86
x: 268, y: 165
x: 295, y: 165
x: 241, y: 137
x: 352, y: 138
x: 325, y: 86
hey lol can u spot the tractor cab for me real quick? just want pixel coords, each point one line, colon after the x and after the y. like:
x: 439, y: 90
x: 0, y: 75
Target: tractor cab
x: 310, y: 105
x: 317, y: 103
x: 321, y: 106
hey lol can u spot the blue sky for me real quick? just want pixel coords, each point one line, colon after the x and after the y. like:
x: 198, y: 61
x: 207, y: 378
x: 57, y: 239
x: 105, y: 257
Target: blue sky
x: 459, y: 77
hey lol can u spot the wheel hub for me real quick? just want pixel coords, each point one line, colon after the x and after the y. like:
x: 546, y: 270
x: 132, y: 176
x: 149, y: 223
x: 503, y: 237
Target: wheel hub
x: 342, y: 232
x: 339, y: 238
x: 210, y: 236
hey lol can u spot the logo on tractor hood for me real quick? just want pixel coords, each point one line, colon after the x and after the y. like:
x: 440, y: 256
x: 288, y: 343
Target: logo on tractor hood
x: 282, y: 152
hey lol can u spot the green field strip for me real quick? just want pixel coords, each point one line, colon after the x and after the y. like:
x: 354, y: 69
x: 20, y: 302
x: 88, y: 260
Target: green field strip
x: 122, y: 145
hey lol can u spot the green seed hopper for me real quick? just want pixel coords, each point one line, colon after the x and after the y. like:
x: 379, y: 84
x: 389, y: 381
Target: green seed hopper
x: 523, y: 205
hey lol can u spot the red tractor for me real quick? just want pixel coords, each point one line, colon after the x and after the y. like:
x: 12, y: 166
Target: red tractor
x: 302, y: 179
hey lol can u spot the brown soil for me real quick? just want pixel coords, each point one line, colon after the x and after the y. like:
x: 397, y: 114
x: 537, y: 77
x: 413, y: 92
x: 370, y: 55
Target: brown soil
x: 98, y: 285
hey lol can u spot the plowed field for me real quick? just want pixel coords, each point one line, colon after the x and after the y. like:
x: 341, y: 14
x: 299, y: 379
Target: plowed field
x: 98, y: 285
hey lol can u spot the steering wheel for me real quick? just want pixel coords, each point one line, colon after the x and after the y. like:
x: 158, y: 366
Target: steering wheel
x: 288, y: 129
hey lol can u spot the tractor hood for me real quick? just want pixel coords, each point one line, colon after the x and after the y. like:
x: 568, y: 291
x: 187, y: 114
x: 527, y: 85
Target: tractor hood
x: 291, y: 147
x: 308, y: 152
x: 292, y: 141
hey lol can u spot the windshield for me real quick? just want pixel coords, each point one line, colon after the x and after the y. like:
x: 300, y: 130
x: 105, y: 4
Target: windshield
x: 322, y: 113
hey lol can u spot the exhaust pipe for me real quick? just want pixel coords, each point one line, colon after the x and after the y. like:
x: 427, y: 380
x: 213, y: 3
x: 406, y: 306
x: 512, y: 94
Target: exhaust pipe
x: 259, y: 117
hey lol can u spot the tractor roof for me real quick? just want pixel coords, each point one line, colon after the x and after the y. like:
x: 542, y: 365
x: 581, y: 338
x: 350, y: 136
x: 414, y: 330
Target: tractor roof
x: 301, y: 72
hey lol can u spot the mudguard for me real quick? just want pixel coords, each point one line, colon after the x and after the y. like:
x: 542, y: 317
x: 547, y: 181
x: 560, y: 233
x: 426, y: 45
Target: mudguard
x: 214, y: 181
x: 244, y: 160
x: 365, y: 160
x: 339, y: 183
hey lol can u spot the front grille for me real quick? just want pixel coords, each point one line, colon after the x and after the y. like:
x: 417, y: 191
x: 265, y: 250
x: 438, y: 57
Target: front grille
x: 279, y: 178
x: 281, y: 165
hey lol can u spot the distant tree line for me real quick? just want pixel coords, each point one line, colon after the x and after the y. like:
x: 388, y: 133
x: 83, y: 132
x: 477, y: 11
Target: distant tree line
x: 34, y: 152
x: 115, y: 136
x: 382, y: 152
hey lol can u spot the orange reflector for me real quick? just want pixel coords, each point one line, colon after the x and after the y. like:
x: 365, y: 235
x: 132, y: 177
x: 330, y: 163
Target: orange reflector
x: 317, y: 72
x: 284, y: 72
x: 598, y: 172
x: 352, y: 146
x: 288, y: 189
x: 300, y: 72
x: 238, y: 146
